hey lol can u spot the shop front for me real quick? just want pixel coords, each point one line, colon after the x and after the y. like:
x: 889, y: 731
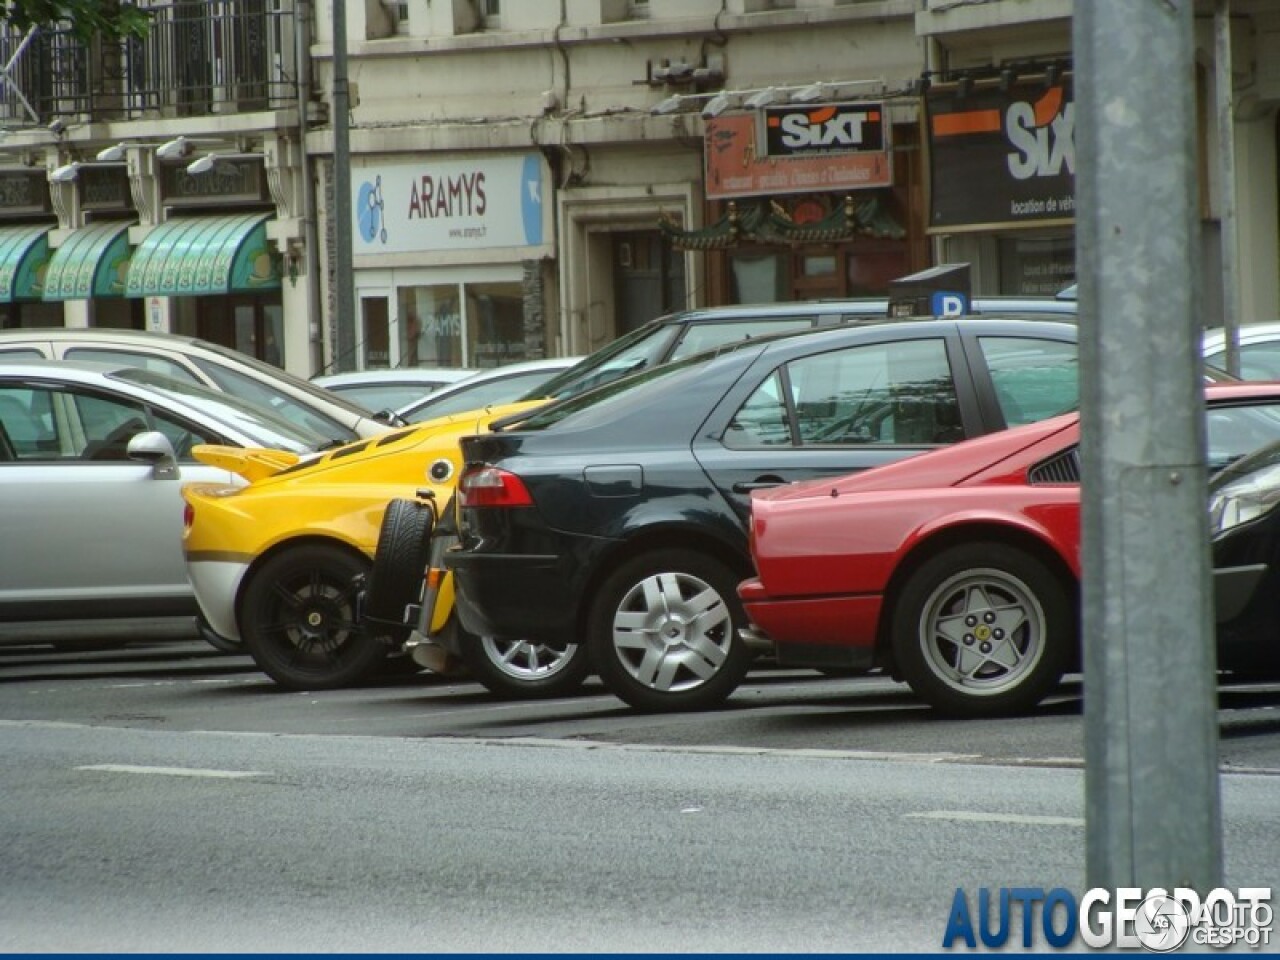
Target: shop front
x: 450, y: 259
x: 209, y: 269
x: 88, y: 267
x: 1002, y: 179
x: 806, y: 201
x: 26, y: 218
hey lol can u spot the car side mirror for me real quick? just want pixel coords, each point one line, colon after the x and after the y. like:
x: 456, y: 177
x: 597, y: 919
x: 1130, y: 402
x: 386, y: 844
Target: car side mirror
x: 153, y: 447
x: 390, y: 418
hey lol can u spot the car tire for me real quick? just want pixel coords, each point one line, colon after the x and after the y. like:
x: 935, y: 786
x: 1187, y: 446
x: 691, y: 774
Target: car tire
x: 683, y: 653
x: 399, y: 566
x: 524, y: 669
x: 983, y: 630
x: 298, y: 619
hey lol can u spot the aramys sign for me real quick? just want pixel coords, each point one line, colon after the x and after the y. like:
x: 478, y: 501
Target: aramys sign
x: 1001, y: 157
x: 450, y: 205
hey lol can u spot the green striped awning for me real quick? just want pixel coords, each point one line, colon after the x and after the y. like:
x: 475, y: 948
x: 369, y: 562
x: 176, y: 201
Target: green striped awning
x: 24, y: 254
x: 191, y: 256
x: 91, y: 263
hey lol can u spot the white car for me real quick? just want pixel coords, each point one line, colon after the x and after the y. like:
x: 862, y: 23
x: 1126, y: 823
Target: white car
x: 201, y: 362
x: 379, y: 390
x: 91, y: 460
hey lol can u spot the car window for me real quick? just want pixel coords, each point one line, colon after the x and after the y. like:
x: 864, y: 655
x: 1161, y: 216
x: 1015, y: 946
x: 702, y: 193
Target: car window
x: 25, y: 353
x: 385, y: 396
x: 261, y: 393
x: 632, y: 351
x: 1258, y: 361
x: 703, y: 336
x: 1033, y: 379
x: 891, y: 393
x: 477, y: 395
x: 1232, y: 432
x: 57, y: 423
x: 762, y: 421
x: 147, y: 361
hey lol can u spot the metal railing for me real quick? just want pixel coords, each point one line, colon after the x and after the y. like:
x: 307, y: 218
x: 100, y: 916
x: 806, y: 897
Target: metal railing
x: 200, y: 57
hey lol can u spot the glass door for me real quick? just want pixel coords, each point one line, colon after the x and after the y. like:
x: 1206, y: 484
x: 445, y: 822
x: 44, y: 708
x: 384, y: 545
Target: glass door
x: 376, y: 344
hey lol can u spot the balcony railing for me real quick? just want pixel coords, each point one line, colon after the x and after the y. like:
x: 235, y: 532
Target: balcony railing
x: 201, y: 57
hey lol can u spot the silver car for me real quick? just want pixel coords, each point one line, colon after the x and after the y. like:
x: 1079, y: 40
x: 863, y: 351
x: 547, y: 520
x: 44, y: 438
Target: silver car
x: 91, y: 460
x: 199, y: 361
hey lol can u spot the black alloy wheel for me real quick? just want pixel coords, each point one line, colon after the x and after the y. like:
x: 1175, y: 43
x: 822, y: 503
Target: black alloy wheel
x: 298, y: 619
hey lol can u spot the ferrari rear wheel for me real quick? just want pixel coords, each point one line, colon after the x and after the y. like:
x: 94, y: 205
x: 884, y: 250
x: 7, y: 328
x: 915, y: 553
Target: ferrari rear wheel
x: 983, y: 630
x: 298, y: 620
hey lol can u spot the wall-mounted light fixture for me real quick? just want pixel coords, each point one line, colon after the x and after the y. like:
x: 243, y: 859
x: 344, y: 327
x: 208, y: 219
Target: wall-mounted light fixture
x: 763, y: 98
x: 179, y: 148
x: 70, y: 171
x: 720, y: 103
x: 219, y: 163
x: 716, y: 103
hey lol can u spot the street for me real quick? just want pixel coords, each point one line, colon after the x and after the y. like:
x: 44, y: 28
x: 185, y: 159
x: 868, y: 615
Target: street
x: 165, y: 797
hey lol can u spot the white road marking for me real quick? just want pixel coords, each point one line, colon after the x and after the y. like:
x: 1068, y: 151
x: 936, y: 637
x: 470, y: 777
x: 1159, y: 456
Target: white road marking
x: 174, y: 771
x: 975, y: 816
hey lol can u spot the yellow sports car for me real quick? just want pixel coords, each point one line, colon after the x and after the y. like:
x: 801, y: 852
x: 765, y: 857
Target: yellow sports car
x: 274, y: 564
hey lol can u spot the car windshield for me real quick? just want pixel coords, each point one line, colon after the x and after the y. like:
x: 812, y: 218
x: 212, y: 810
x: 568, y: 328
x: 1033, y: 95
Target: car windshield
x: 634, y: 351
x: 265, y: 427
x: 548, y: 416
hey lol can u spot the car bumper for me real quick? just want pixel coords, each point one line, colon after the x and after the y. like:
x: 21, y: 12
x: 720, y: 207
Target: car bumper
x: 216, y: 584
x: 505, y: 595
x: 848, y: 621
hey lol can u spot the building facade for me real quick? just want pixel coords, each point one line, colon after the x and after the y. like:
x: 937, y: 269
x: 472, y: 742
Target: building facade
x: 537, y: 177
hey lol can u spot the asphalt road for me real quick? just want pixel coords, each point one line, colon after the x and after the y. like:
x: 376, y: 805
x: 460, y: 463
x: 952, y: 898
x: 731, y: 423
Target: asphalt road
x: 167, y: 798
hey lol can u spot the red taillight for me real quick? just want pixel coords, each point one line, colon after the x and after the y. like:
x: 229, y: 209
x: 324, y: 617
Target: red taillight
x: 188, y: 516
x: 492, y: 487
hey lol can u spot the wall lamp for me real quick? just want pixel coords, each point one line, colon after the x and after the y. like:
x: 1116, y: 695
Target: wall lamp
x: 219, y: 163
x: 179, y: 148
x: 70, y: 171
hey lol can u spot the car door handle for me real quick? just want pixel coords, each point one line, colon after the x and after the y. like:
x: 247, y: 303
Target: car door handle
x: 762, y: 484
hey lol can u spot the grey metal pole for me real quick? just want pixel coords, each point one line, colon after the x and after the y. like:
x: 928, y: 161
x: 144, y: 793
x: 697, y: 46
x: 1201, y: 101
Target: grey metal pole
x: 311, y: 235
x: 1151, y: 750
x: 1227, y: 180
x: 344, y: 319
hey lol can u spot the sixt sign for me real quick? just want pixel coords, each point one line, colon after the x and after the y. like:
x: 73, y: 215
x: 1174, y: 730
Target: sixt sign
x: 794, y: 130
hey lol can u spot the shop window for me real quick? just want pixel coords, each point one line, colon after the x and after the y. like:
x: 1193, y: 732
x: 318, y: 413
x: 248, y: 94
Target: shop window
x: 119, y: 313
x: 1037, y: 266
x: 375, y: 333
x: 430, y: 326
x: 758, y: 278
x: 495, y: 324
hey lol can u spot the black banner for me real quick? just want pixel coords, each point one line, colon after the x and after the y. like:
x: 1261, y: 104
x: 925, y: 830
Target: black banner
x: 1001, y: 156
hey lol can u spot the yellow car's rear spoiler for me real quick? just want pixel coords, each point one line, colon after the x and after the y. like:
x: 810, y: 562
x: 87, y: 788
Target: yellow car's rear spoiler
x: 252, y: 463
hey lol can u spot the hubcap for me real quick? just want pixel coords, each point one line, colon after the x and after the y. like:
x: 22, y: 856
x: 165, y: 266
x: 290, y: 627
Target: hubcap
x: 316, y: 616
x: 982, y: 632
x: 525, y: 660
x: 672, y: 632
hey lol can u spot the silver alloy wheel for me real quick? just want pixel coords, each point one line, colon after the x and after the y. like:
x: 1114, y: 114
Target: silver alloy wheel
x: 672, y: 632
x: 982, y: 631
x: 527, y: 661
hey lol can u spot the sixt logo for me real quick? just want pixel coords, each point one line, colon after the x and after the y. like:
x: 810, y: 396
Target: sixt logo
x: 828, y: 128
x: 1042, y: 135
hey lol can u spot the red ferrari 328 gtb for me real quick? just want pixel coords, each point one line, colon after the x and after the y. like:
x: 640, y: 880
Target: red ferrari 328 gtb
x: 959, y: 568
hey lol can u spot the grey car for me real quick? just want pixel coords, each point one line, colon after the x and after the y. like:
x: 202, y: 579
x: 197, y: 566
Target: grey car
x: 91, y: 460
